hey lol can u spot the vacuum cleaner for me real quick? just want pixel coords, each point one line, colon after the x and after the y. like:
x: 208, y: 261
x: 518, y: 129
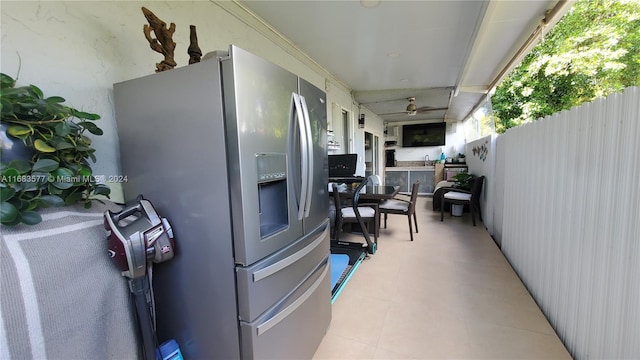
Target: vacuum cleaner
x: 137, y: 238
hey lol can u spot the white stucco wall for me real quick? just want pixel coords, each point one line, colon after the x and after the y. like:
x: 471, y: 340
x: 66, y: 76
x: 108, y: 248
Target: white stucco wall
x: 79, y: 49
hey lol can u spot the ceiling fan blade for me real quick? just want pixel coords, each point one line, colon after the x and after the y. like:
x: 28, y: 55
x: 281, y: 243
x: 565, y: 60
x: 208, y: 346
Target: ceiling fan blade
x: 394, y: 113
x: 425, y: 109
x: 384, y: 101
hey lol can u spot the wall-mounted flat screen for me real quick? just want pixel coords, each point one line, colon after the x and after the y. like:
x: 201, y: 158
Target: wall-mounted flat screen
x: 431, y: 134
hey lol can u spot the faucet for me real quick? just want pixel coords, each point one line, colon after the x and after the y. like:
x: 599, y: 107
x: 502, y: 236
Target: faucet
x: 426, y: 160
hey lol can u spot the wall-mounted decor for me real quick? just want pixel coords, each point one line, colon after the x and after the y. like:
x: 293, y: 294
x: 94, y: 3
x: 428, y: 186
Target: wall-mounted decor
x: 481, y: 151
x: 194, y: 50
x: 163, y: 42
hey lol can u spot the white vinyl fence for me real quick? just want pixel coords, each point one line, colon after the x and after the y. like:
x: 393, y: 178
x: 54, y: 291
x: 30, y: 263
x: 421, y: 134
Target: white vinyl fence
x: 568, y: 198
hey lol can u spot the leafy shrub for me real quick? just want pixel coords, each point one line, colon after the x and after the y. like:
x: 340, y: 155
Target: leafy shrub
x: 59, y: 172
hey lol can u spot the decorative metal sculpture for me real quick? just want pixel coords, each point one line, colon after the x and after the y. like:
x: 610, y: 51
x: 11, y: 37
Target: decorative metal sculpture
x: 163, y: 43
x: 194, y: 50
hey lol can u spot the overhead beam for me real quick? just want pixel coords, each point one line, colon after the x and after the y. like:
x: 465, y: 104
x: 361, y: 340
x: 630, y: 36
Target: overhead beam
x: 467, y: 56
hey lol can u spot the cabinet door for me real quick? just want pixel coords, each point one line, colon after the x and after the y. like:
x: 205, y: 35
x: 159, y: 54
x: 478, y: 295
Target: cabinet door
x: 397, y: 178
x: 426, y: 178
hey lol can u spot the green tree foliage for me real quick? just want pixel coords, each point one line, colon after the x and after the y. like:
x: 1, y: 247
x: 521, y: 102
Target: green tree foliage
x: 593, y: 51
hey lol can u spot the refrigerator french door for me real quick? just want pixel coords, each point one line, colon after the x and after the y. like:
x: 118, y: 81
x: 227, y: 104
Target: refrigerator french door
x: 232, y: 151
x: 315, y: 102
x: 276, y: 136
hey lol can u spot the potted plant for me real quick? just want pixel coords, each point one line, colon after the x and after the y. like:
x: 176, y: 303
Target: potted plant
x: 53, y: 168
x: 461, y: 158
x: 463, y: 180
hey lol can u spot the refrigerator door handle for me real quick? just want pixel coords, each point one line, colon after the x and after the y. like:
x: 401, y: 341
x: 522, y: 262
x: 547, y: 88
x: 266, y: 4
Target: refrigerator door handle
x: 265, y: 326
x: 272, y: 269
x: 304, y: 147
x: 307, y: 120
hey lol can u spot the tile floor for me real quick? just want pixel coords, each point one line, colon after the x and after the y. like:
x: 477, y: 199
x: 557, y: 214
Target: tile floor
x: 450, y: 294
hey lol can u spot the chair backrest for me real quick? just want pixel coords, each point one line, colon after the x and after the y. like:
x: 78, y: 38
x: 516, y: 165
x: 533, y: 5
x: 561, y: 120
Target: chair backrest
x: 356, y: 195
x: 363, y: 226
x: 476, y: 189
x: 336, y: 199
x: 414, y: 197
x: 356, y: 199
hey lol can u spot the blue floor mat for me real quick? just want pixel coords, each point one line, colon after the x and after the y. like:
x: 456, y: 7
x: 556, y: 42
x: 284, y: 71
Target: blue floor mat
x: 339, y: 263
x: 344, y: 262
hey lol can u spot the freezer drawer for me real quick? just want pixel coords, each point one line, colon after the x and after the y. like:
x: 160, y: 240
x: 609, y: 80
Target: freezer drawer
x: 294, y: 328
x: 267, y: 282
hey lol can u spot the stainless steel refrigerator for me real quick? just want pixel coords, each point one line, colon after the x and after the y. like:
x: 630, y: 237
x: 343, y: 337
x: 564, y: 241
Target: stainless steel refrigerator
x: 232, y: 150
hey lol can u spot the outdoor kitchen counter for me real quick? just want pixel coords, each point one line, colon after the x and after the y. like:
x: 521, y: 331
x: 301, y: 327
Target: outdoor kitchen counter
x: 410, y: 168
x: 404, y: 176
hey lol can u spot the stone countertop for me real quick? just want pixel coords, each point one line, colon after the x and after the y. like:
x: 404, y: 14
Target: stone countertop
x: 410, y: 168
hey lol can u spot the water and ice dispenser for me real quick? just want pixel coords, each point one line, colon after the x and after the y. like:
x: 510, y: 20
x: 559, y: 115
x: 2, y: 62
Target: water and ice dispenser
x: 272, y: 193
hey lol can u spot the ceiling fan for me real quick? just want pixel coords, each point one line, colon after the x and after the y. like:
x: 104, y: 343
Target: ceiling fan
x: 412, y: 109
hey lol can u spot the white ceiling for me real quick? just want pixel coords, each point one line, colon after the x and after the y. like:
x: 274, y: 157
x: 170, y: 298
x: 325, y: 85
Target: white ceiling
x: 446, y: 54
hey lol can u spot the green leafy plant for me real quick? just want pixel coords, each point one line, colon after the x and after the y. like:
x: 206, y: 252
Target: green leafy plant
x: 59, y: 172
x: 463, y: 180
x: 591, y: 52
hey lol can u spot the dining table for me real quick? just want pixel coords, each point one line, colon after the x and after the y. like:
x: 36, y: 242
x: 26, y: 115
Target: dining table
x: 372, y: 192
